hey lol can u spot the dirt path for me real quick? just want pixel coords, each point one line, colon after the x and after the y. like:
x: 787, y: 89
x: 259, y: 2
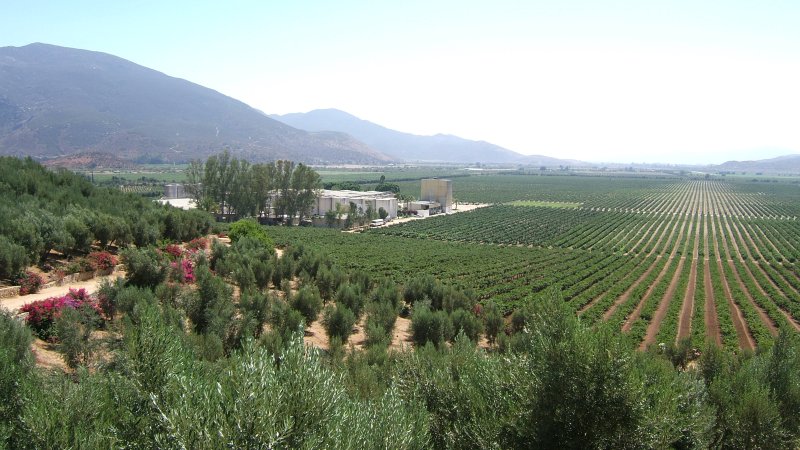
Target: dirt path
x: 687, y: 308
x: 401, y: 335
x: 710, y: 309
x: 14, y: 303
x: 316, y: 336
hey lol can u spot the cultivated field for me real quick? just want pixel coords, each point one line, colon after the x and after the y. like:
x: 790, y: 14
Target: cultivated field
x: 657, y: 259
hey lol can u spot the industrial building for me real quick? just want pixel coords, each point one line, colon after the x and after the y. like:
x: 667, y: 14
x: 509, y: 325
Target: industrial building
x: 436, y: 197
x: 327, y: 201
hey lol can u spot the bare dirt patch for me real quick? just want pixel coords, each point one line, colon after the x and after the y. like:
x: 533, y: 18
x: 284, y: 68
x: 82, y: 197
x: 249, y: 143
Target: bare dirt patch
x: 401, y: 335
x: 316, y: 336
x: 46, y: 356
x: 685, y: 318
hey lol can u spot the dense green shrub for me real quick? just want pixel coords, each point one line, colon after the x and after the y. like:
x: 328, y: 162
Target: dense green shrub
x: 283, y: 269
x: 328, y: 280
x: 419, y: 288
x: 308, y: 302
x: 467, y: 323
x: 493, y: 321
x: 387, y: 292
x: 210, y: 306
x: 284, y: 320
x: 16, y: 363
x: 250, y: 228
x: 74, y: 328
x: 126, y: 299
x: 144, y: 267
x: 381, y: 317
x: 338, y: 321
x: 255, y: 309
x: 183, y: 226
x: 13, y: 258
x: 247, y: 262
x: 351, y: 296
x: 430, y: 326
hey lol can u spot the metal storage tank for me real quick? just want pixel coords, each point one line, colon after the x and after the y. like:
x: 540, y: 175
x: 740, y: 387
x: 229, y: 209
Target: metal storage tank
x: 438, y: 190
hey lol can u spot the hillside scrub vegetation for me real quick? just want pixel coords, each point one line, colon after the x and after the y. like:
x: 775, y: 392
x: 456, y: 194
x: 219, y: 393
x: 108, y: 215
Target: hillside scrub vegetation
x: 43, y: 210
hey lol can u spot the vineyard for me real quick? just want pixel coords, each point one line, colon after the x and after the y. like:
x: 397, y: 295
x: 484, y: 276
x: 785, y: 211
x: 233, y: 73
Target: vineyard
x: 657, y: 259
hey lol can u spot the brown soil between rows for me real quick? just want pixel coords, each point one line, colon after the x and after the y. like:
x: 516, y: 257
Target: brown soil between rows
x: 655, y: 323
x: 626, y: 295
x: 765, y: 319
x: 742, y: 332
x: 785, y: 313
x: 687, y: 308
x: 626, y: 327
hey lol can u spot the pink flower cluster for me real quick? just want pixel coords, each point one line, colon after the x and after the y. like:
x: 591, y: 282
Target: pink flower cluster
x: 102, y: 260
x: 29, y: 283
x: 42, y: 314
x: 182, y: 271
x: 197, y: 244
x: 173, y: 250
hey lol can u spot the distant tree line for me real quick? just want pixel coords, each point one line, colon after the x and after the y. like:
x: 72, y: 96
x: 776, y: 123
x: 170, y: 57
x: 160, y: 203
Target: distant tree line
x: 227, y: 185
x: 43, y: 210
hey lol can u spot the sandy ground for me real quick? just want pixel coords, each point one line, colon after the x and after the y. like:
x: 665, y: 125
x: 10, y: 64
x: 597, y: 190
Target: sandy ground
x: 14, y: 303
x: 401, y: 335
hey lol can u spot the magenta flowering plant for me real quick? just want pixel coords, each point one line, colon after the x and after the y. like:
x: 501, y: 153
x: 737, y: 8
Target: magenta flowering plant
x: 29, y: 282
x: 173, y: 251
x: 197, y: 244
x: 182, y: 271
x: 102, y: 260
x: 42, y: 314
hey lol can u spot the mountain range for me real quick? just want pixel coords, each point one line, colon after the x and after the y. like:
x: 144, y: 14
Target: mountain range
x: 412, y: 147
x: 72, y: 106
x: 57, y: 101
x: 789, y: 164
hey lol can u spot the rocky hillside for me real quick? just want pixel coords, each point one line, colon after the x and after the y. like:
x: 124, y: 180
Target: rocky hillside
x: 56, y: 101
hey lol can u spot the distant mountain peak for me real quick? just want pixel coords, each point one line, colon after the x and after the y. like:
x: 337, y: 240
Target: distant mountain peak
x: 410, y: 147
x: 59, y: 101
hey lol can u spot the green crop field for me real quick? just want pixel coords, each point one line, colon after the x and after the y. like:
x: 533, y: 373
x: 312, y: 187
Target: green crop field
x: 657, y: 258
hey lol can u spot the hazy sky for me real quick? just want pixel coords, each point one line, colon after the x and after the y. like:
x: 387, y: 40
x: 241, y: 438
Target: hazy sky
x: 630, y: 81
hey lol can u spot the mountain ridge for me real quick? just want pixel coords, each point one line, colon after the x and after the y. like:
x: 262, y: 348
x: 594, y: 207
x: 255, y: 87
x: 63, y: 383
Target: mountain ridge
x: 789, y: 163
x: 412, y: 147
x: 56, y: 101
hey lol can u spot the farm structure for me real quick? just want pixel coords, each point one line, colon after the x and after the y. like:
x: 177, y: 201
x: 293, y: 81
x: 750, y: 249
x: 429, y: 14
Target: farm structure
x: 328, y: 199
x: 434, y: 190
x: 174, y: 190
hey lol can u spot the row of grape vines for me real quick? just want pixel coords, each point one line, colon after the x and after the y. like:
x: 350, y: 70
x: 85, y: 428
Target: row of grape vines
x: 699, y: 259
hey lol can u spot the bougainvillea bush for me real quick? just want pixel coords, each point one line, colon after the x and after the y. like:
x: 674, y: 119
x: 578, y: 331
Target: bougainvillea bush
x: 42, y: 314
x: 102, y: 260
x: 182, y: 271
x: 173, y: 250
x: 197, y: 244
x: 29, y: 282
